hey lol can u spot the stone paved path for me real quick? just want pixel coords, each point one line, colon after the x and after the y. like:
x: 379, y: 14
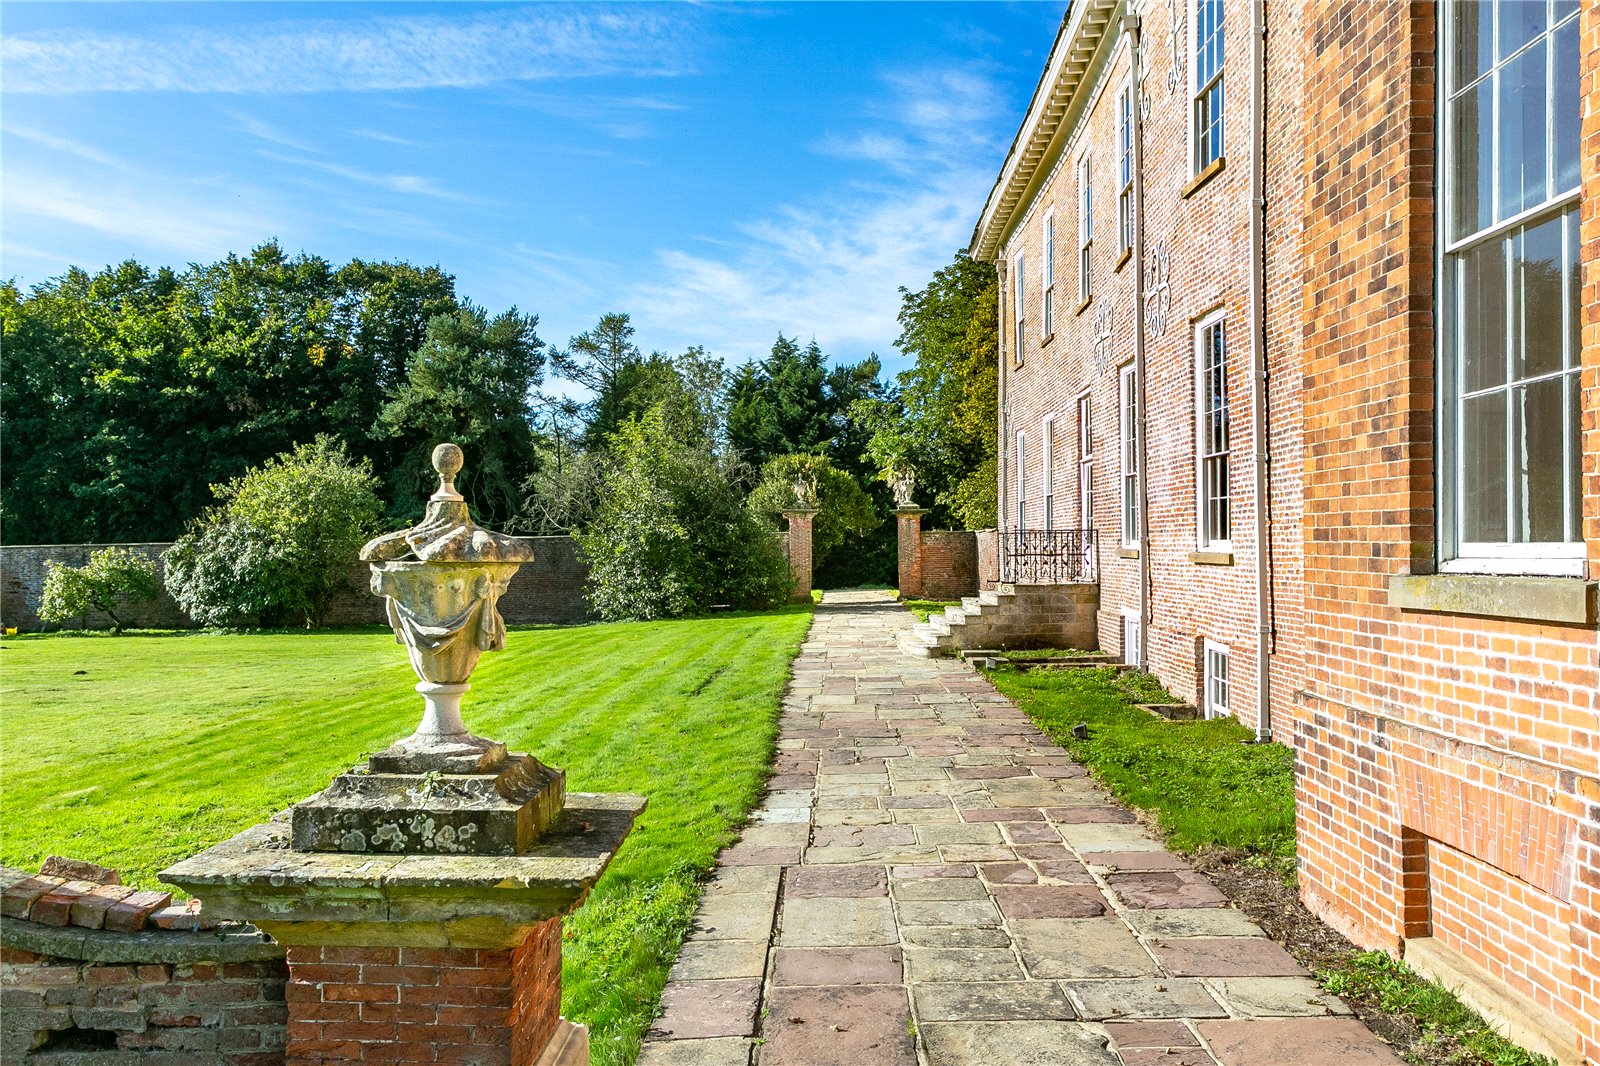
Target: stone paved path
x: 933, y: 881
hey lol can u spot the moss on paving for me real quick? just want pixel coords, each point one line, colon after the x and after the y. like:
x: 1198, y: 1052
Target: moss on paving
x: 135, y: 751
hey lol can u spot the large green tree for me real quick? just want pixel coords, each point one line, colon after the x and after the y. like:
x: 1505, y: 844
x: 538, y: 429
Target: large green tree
x: 943, y: 418
x: 472, y: 382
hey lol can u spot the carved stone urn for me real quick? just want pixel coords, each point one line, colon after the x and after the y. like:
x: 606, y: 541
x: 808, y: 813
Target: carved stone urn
x: 442, y: 789
x: 441, y: 581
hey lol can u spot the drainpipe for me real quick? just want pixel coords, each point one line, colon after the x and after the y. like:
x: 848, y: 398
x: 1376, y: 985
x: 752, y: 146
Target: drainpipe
x: 1003, y: 422
x: 1258, y: 367
x: 1130, y: 26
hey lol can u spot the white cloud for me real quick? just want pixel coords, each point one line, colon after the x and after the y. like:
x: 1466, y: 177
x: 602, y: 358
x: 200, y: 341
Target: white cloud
x: 401, y: 183
x: 175, y: 220
x: 832, y: 267
x: 355, y: 55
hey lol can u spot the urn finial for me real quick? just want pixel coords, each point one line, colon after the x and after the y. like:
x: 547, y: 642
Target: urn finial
x: 447, y: 460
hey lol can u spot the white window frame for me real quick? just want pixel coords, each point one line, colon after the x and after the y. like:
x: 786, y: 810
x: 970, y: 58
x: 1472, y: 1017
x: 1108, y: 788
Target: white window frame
x: 1019, y: 311
x: 1022, y: 480
x: 1128, y: 454
x: 1130, y: 636
x: 1216, y: 690
x: 1085, y: 231
x: 1047, y: 433
x: 1205, y: 538
x: 1456, y: 553
x: 1125, y: 167
x: 1085, y: 461
x: 1047, y: 275
x: 1197, y: 91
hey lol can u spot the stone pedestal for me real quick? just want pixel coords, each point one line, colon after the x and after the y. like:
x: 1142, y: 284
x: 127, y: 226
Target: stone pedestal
x: 800, y: 552
x: 908, y: 521
x: 418, y: 957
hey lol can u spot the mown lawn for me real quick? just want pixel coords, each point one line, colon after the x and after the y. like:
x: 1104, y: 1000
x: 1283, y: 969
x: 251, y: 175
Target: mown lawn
x: 1204, y: 785
x: 136, y: 751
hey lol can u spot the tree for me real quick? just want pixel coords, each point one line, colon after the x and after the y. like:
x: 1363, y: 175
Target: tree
x: 843, y: 507
x: 280, y: 542
x: 672, y: 535
x: 942, y: 419
x: 112, y: 576
x: 471, y: 383
x: 602, y: 360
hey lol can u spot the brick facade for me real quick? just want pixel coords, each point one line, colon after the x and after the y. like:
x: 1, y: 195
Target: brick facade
x: 949, y: 564
x: 1448, y: 770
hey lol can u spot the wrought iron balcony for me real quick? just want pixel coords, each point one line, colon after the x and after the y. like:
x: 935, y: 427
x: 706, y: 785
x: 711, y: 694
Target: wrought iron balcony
x: 1049, y: 557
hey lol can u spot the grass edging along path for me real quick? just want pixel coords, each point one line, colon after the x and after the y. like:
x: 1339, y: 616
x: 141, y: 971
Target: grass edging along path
x: 136, y: 751
x: 1229, y: 806
x: 925, y: 608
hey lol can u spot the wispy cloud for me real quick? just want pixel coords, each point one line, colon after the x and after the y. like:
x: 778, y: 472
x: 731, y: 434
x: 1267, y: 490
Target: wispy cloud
x: 401, y: 183
x: 367, y: 55
x: 175, y: 220
x: 386, y: 138
x: 263, y: 131
x: 832, y: 266
x: 67, y: 146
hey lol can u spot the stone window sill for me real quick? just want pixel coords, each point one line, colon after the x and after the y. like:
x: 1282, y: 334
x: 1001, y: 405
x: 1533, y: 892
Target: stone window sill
x: 1205, y: 558
x: 1087, y: 300
x: 1542, y: 599
x: 1122, y: 260
x: 1128, y: 553
x: 1046, y: 339
x: 1199, y: 180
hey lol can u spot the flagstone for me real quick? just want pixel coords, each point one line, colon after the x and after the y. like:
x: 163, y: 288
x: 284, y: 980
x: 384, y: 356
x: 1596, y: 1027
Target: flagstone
x: 1012, y: 1043
x: 973, y: 1001
x: 949, y: 912
x: 1078, y: 948
x: 831, y: 1026
x: 1167, y: 997
x: 835, y: 922
x: 705, y: 960
x: 939, y: 888
x: 1222, y: 921
x: 837, y: 966
x: 1150, y: 1035
x: 1231, y: 956
x: 1167, y: 889
x: 1296, y: 1042
x: 1266, y: 997
x: 718, y: 1051
x: 1049, y: 901
x: 955, y: 936
x: 926, y: 964
x: 694, y: 1009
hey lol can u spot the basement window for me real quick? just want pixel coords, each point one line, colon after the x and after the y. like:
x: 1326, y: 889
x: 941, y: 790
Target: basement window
x: 1215, y: 680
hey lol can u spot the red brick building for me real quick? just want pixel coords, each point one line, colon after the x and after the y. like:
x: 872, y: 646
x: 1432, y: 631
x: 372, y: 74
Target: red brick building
x: 1300, y: 311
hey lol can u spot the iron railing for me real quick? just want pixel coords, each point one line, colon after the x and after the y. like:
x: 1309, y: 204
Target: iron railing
x: 1049, y: 556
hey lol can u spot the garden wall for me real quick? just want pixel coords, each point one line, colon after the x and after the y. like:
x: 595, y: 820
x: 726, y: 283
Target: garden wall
x: 949, y: 564
x: 76, y: 991
x: 549, y: 589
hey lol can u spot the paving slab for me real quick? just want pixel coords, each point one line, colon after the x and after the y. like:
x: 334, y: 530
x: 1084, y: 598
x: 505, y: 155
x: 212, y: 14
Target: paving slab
x: 801, y: 882
x: 836, y: 922
x: 1203, y: 921
x: 1165, y: 997
x: 837, y: 966
x: 1229, y: 956
x: 1013, y: 1043
x: 707, y: 960
x: 940, y: 888
x: 1267, y: 997
x: 1296, y: 1042
x: 832, y: 1026
x: 974, y: 1001
x: 1019, y: 902
x: 1166, y: 889
x: 1053, y: 948
x: 721, y: 1051
x: 1150, y: 1035
x: 696, y: 1009
x: 926, y: 965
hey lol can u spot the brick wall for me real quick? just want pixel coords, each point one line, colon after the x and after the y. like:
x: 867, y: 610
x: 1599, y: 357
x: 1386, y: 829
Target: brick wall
x: 220, y: 1012
x: 548, y: 589
x: 949, y: 564
x: 403, y: 1004
x: 1197, y: 262
x: 1474, y: 735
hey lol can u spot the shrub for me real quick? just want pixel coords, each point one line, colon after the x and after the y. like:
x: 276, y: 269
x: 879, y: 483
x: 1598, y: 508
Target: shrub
x: 280, y: 542
x: 111, y: 577
x: 672, y: 534
x: 843, y: 506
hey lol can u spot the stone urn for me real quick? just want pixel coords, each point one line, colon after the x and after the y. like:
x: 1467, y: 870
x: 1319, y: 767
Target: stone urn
x: 441, y: 581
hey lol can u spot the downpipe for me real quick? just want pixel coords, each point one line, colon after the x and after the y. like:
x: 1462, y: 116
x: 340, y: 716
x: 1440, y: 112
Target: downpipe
x: 1258, y: 369
x: 1130, y: 26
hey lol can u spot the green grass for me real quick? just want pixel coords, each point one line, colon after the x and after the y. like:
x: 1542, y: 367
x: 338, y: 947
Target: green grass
x: 1203, y: 784
x: 1451, y: 1032
x: 139, y: 750
x: 1206, y: 786
x: 924, y: 608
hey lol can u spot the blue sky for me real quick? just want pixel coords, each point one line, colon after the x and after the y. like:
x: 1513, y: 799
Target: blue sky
x: 720, y: 172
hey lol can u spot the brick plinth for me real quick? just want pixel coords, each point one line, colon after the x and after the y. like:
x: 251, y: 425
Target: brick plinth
x: 908, y: 521
x: 800, y: 553
x: 402, y: 1004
